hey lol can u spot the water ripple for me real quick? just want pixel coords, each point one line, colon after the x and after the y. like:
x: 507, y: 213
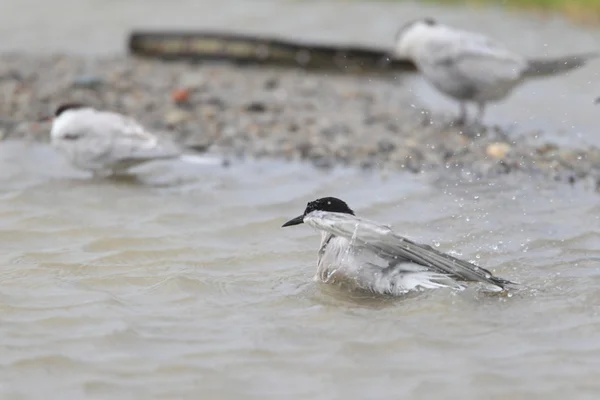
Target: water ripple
x: 155, y: 290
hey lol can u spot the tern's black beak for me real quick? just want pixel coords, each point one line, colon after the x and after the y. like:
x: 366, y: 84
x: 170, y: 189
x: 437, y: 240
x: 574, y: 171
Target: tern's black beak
x: 295, y: 221
x: 46, y: 118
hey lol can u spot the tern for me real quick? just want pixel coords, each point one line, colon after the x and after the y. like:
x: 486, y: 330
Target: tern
x: 373, y: 257
x: 470, y: 67
x: 108, y: 143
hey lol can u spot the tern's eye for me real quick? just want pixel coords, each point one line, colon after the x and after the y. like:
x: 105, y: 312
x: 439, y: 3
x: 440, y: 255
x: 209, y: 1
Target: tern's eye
x: 71, y: 136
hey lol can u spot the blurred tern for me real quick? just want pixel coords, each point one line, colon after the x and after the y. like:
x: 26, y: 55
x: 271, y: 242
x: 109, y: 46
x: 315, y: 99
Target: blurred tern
x: 470, y: 67
x: 373, y: 257
x: 107, y: 143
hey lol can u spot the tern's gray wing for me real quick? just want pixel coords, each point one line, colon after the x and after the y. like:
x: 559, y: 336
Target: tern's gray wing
x: 388, y: 244
x: 129, y: 140
x: 472, y: 58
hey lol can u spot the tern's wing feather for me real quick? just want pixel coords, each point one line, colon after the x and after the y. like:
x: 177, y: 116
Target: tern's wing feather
x: 553, y: 66
x: 386, y: 243
x: 129, y: 140
x: 473, y: 57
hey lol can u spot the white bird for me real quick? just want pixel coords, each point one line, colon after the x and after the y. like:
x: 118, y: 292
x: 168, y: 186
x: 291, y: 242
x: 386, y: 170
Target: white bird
x: 470, y: 67
x: 373, y: 257
x: 107, y: 143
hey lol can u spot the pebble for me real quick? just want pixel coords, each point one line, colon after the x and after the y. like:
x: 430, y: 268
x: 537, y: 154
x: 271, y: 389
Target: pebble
x: 327, y: 120
x: 88, y: 81
x: 180, y: 96
x: 176, y: 117
x: 256, y: 106
x: 498, y: 150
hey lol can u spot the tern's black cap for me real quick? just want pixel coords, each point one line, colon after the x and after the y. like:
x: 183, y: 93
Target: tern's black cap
x: 404, y: 28
x: 330, y: 204
x: 67, y: 106
x: 429, y: 21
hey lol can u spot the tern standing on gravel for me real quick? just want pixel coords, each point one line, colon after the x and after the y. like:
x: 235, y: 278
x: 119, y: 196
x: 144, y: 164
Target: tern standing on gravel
x: 373, y: 257
x: 107, y: 143
x: 470, y: 67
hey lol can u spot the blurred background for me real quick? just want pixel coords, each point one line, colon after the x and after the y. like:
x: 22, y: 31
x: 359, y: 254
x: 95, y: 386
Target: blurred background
x: 562, y: 107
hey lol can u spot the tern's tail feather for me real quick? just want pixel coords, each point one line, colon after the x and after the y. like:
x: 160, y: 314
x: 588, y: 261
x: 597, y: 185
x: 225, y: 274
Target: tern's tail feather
x: 553, y: 66
x: 202, y: 159
x: 427, y: 280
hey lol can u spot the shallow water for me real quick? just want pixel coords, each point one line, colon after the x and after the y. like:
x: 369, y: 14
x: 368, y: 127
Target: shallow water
x: 181, y: 284
x: 561, y: 109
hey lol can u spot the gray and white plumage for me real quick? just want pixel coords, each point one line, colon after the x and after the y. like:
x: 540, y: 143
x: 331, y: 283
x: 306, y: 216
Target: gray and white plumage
x: 373, y: 257
x: 470, y: 67
x: 108, y: 143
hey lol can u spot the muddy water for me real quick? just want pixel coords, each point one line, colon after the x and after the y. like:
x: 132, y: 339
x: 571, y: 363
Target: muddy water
x: 180, y: 284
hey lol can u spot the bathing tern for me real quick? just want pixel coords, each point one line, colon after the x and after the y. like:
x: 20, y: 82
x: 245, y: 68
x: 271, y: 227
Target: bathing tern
x: 470, y: 67
x: 373, y: 257
x: 108, y: 143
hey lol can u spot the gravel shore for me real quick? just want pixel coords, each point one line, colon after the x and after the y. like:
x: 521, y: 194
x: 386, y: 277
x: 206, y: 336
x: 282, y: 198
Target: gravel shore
x: 364, y: 121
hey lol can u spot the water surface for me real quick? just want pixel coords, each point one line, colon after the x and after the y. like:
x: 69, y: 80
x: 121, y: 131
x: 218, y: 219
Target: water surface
x: 181, y: 284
